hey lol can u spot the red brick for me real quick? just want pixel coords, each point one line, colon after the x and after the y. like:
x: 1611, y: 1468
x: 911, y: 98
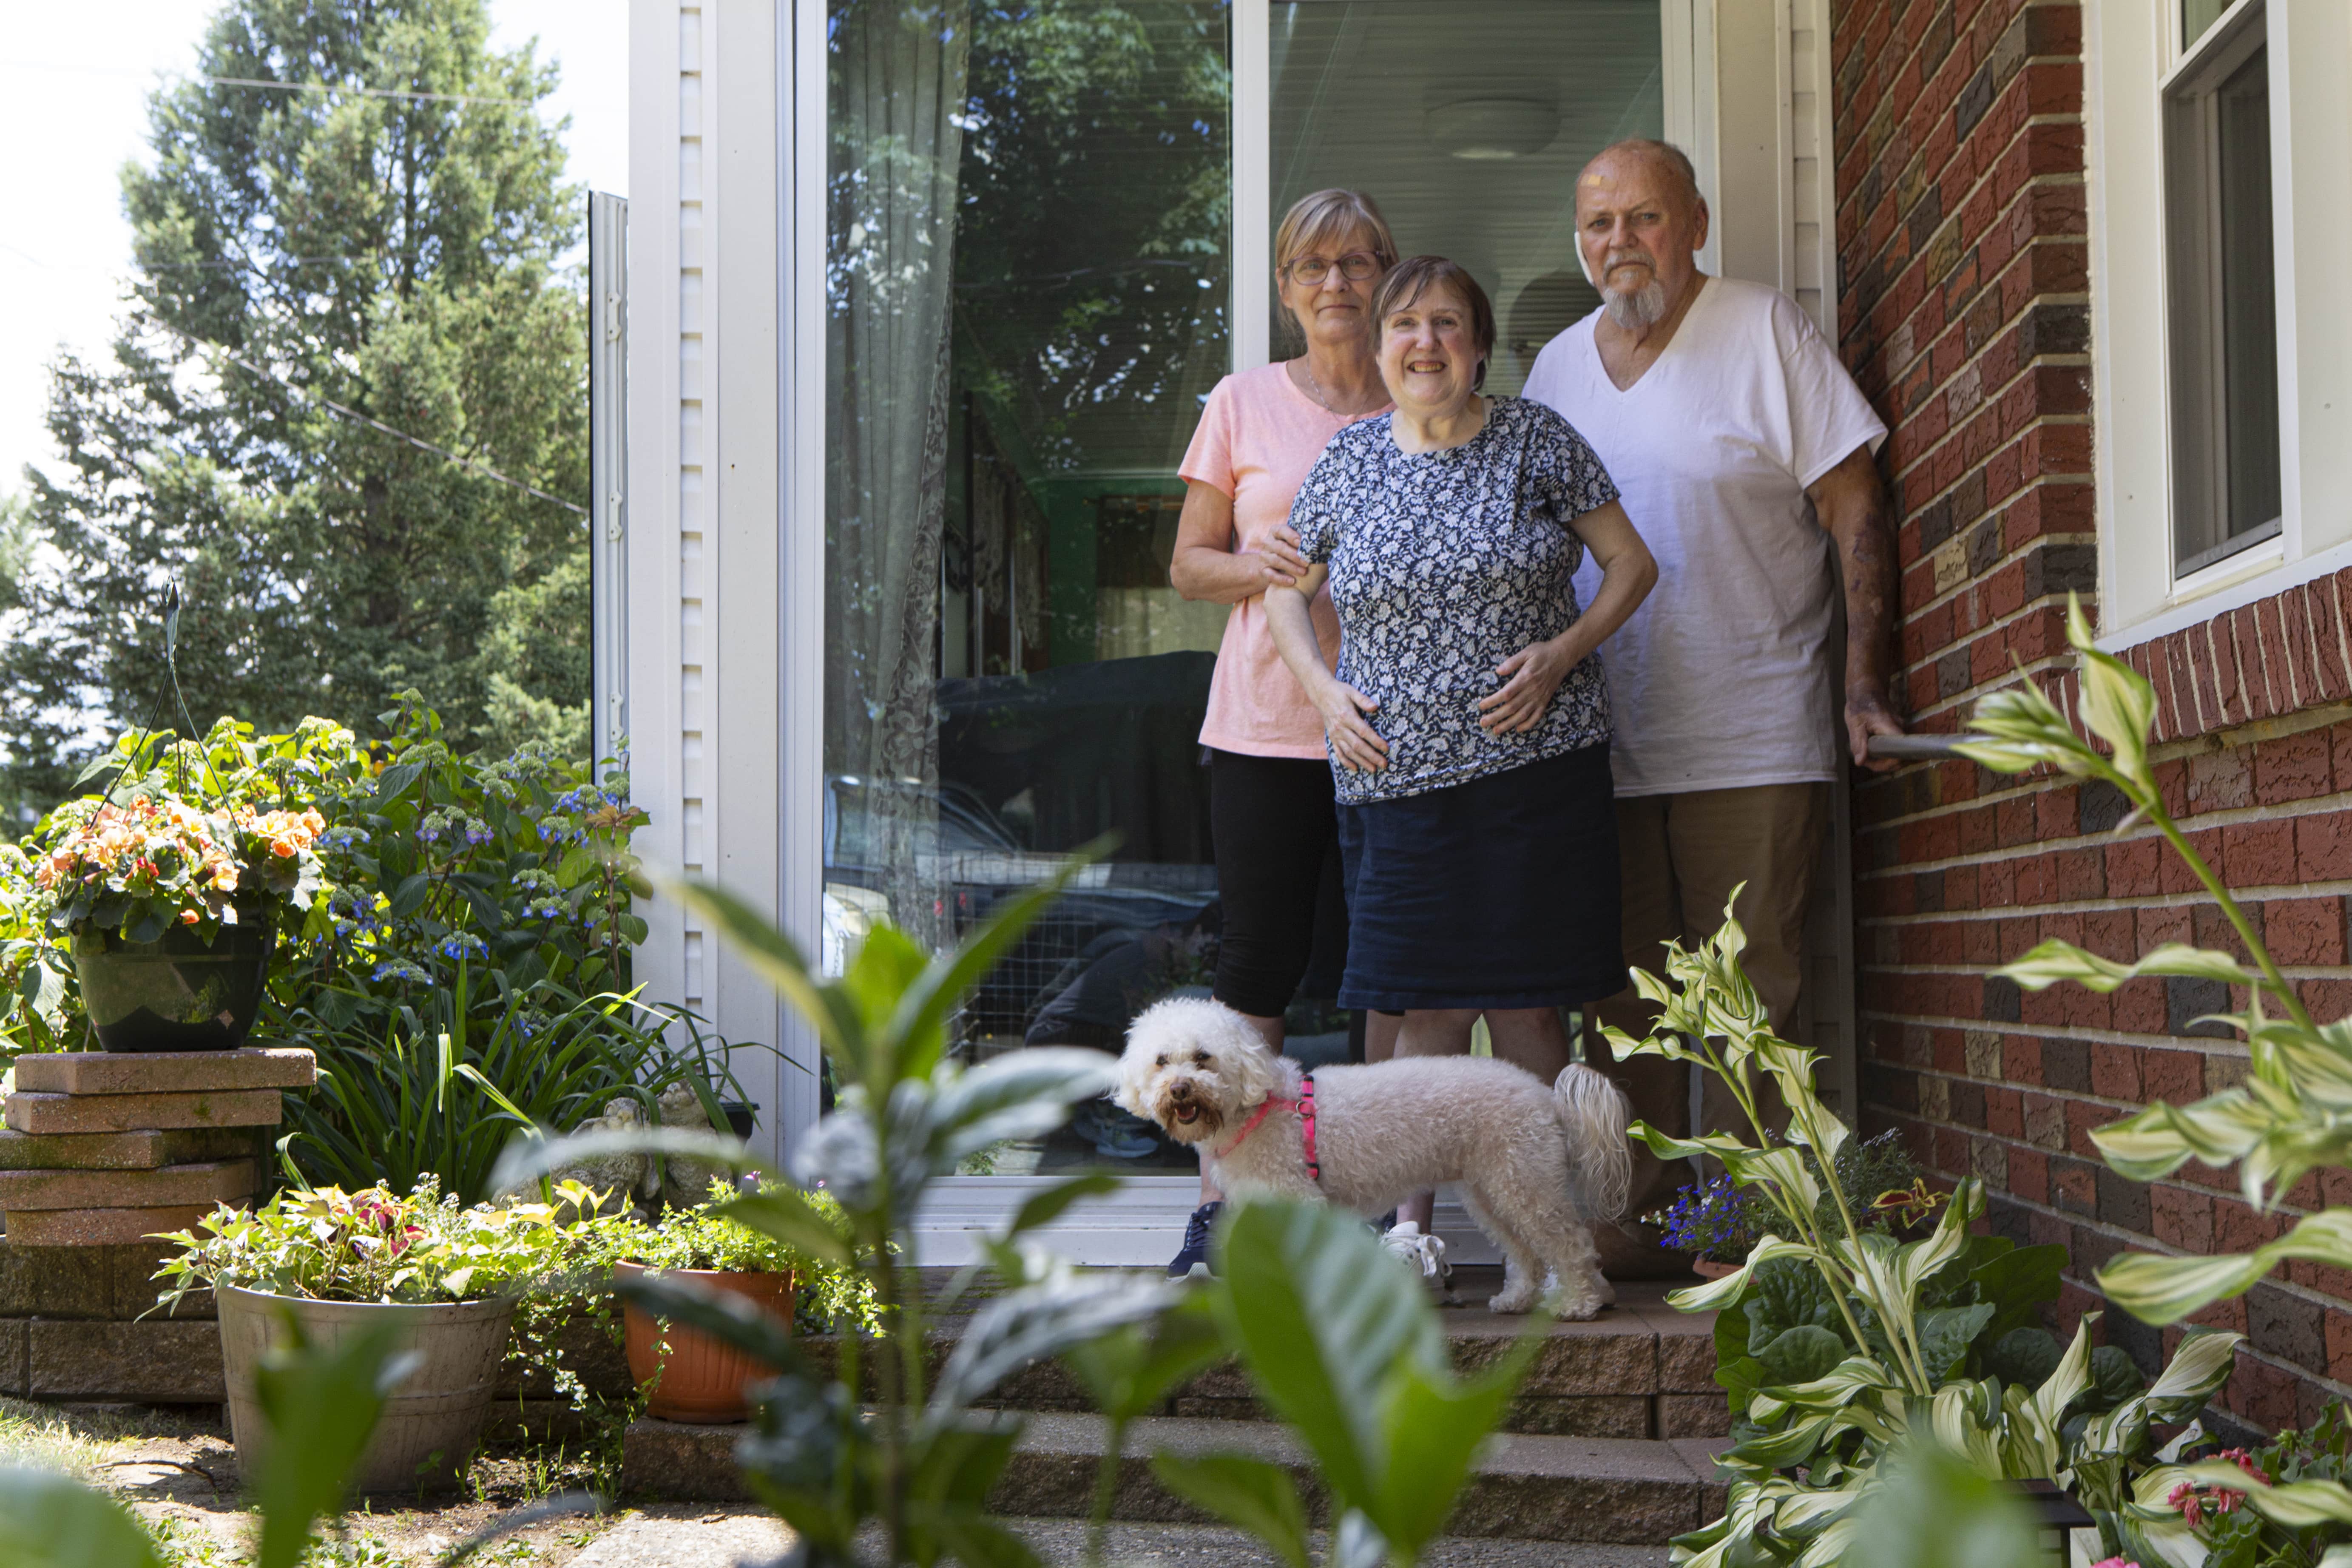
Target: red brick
x: 2176, y: 1077
x: 2115, y: 1070
x: 2305, y: 931
x: 2295, y: 767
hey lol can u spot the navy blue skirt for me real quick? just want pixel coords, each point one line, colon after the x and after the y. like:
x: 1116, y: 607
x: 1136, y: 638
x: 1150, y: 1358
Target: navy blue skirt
x: 1500, y: 892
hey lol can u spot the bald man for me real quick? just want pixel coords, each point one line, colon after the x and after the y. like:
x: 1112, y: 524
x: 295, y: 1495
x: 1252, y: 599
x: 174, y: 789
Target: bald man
x: 1745, y: 453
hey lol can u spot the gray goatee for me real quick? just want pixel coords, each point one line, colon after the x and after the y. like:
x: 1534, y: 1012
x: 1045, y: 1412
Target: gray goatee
x: 1636, y: 309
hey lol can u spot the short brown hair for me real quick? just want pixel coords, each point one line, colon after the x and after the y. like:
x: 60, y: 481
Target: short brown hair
x: 1408, y: 279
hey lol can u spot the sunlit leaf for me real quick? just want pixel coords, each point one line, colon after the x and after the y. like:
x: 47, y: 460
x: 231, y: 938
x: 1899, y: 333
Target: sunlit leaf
x: 2054, y: 961
x: 51, y: 1520
x: 1249, y: 1494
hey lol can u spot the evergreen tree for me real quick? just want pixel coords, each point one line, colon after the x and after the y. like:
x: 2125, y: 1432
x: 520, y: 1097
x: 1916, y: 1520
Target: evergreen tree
x: 384, y: 233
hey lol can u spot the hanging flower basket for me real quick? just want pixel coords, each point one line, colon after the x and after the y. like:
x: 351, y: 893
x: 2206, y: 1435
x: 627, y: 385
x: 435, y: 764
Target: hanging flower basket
x: 169, y: 903
x: 179, y: 993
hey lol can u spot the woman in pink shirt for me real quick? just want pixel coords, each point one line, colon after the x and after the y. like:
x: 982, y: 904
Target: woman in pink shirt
x: 1270, y: 787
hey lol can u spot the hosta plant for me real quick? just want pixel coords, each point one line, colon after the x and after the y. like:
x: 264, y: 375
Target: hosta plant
x: 1835, y: 1339
x: 2289, y: 1118
x: 919, y: 1466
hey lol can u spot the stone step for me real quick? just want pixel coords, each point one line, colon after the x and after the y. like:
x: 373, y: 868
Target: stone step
x: 1640, y: 1370
x: 135, y: 1112
x: 142, y: 1149
x: 1526, y: 1486
x: 206, y: 1183
x: 166, y: 1072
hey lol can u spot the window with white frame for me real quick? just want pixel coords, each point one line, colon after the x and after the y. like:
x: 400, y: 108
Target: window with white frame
x: 2224, y: 291
x: 2217, y: 135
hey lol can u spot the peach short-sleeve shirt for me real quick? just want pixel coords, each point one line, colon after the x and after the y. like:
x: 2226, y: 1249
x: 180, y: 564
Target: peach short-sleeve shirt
x: 1259, y: 435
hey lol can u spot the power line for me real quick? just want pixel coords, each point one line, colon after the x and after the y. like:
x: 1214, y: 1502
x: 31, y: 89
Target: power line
x: 374, y: 424
x: 262, y: 83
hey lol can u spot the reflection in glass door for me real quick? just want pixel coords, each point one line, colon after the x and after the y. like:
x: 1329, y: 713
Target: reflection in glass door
x: 1026, y: 291
x: 1468, y: 122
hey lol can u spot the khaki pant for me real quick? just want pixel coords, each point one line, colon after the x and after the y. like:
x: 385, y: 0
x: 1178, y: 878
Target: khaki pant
x: 1682, y: 854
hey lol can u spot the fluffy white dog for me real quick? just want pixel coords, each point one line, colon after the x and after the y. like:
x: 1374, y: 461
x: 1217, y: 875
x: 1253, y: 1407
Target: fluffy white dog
x: 1539, y: 1165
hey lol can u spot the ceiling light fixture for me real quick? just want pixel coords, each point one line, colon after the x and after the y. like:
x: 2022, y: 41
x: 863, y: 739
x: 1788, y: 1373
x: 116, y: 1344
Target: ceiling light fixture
x: 1486, y: 129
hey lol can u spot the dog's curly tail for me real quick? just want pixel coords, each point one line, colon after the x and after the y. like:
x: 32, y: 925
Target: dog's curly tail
x: 1595, y: 1113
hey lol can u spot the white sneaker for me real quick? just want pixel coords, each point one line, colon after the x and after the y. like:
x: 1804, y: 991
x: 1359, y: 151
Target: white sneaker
x: 1426, y: 1254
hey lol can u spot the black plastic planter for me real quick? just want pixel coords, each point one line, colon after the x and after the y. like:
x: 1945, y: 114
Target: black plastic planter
x: 179, y: 994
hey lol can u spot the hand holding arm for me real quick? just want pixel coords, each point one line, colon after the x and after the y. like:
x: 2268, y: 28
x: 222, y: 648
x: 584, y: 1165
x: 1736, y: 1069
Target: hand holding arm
x: 1852, y: 505
x: 1531, y: 675
x: 1355, y: 744
x: 1207, y: 563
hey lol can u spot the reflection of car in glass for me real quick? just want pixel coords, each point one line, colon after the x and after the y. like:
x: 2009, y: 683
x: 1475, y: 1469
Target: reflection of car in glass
x: 972, y: 861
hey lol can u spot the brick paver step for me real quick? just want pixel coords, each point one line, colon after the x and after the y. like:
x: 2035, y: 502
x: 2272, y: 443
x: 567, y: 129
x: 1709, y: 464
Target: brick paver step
x: 168, y: 1186
x: 1640, y: 1370
x: 142, y: 1149
x: 166, y: 1072
x: 1633, y: 1491
x: 129, y: 1113
x: 99, y: 1226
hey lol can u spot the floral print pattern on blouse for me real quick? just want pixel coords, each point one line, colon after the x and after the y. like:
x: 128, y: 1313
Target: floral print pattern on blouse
x: 1443, y: 566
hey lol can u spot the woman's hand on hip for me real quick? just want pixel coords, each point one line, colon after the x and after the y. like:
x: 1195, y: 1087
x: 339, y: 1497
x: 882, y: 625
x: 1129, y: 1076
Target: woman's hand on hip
x: 1529, y: 677
x: 1355, y: 744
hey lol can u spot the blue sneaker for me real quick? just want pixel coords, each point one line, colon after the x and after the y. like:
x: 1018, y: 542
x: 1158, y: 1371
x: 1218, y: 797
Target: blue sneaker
x: 1192, y: 1261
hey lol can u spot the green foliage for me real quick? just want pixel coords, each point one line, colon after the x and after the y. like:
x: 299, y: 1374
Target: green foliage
x: 322, y: 1404
x: 375, y: 1246
x: 1335, y: 1338
x: 1936, y: 1510
x: 512, y: 872
x: 398, y: 256
x: 1346, y: 1347
x: 51, y: 1520
x: 906, y: 1116
x: 1719, y: 1221
x: 2288, y: 1119
x: 829, y: 1295
x: 1835, y: 1339
x: 2293, y: 1518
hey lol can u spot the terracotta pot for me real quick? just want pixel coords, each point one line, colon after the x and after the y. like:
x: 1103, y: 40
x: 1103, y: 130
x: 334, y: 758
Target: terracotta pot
x: 432, y: 1423
x: 701, y: 1379
x: 1708, y: 1269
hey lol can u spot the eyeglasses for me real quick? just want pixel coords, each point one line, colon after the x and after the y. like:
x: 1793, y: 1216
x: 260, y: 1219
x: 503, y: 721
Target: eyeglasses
x: 1356, y: 267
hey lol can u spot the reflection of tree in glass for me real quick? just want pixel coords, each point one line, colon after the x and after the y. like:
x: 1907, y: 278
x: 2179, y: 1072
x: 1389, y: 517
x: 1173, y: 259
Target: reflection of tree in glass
x: 1092, y: 215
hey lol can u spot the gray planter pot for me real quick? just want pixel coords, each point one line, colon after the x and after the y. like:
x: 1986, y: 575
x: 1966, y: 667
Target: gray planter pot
x: 431, y: 1425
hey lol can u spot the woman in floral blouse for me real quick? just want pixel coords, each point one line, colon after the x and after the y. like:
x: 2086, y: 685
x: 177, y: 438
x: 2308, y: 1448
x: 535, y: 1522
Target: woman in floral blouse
x: 1467, y: 723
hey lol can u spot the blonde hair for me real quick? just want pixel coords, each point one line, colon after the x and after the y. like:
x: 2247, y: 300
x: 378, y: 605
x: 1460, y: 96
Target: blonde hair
x: 1326, y: 217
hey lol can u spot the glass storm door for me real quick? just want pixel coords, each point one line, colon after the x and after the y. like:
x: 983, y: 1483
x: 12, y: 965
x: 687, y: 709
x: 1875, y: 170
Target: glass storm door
x: 1033, y: 215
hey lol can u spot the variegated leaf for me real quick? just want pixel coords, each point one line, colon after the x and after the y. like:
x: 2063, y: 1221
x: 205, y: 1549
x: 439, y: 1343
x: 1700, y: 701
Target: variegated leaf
x: 2117, y: 703
x: 1726, y: 1290
x: 2297, y: 1505
x: 2165, y: 1289
x: 2054, y: 961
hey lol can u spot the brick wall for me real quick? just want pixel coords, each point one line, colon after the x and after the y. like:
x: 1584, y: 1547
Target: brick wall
x: 1964, y: 313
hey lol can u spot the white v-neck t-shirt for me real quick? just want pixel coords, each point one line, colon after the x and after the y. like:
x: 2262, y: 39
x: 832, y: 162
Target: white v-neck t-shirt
x: 1721, y: 679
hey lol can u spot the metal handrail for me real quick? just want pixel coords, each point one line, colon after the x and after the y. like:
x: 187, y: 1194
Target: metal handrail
x: 1914, y: 748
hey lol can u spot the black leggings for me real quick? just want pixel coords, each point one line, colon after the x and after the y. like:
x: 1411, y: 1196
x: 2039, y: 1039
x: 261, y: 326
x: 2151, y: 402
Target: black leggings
x: 1286, y: 912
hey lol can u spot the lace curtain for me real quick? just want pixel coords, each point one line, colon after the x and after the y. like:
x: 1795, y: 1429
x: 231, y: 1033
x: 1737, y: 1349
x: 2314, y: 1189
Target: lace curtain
x: 898, y: 69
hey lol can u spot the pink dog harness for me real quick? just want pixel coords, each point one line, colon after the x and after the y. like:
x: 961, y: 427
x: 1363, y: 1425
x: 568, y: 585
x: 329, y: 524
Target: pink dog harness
x: 1304, y: 1105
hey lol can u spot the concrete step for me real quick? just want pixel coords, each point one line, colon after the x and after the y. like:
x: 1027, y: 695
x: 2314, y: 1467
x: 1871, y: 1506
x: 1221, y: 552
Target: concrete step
x: 1640, y: 1370
x: 1527, y: 1486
